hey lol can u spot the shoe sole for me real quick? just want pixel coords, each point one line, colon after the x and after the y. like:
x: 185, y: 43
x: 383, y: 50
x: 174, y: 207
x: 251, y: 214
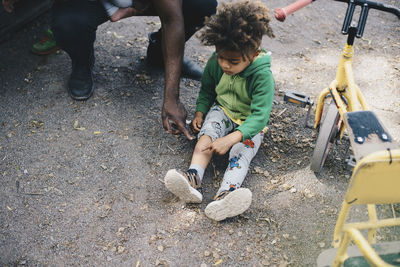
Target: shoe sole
x: 47, y: 52
x: 180, y: 187
x: 81, y: 98
x: 233, y: 204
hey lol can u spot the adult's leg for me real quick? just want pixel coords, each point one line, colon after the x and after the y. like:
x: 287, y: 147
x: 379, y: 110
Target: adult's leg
x: 194, y: 12
x: 74, y: 26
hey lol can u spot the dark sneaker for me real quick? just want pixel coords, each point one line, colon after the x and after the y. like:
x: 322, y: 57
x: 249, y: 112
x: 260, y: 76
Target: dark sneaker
x: 46, y: 45
x: 191, y: 70
x: 155, y: 59
x: 80, y: 84
x: 185, y: 185
x: 229, y: 204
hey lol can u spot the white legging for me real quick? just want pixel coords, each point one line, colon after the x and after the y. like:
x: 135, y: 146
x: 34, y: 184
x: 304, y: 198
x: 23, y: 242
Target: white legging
x: 111, y: 6
x: 216, y: 125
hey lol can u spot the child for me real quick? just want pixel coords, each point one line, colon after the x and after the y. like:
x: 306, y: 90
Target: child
x: 119, y: 9
x: 235, y: 97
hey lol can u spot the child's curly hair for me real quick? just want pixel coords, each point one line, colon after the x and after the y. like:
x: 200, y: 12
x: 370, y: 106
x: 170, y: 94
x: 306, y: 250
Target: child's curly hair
x: 237, y: 26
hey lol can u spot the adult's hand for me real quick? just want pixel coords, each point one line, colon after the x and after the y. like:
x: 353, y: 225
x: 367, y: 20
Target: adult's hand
x: 175, y: 111
x: 9, y: 5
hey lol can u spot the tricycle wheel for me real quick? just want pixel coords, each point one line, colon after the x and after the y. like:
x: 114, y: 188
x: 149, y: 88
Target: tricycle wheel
x: 326, y: 136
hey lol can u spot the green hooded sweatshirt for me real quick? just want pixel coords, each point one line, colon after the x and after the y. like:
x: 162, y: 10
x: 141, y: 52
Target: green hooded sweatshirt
x: 245, y: 97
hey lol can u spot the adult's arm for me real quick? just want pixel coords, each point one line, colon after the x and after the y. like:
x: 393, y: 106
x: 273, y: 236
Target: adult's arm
x: 173, y: 43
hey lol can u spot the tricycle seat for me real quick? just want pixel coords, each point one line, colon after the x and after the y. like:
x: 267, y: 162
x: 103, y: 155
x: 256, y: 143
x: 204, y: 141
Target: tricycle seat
x: 367, y: 134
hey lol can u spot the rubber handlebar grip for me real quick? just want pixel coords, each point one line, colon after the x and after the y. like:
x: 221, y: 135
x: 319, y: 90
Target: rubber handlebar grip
x: 281, y: 13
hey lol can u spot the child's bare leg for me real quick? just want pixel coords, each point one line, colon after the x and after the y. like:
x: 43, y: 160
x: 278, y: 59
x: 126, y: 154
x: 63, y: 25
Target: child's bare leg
x: 123, y: 13
x: 187, y: 185
x: 200, y: 157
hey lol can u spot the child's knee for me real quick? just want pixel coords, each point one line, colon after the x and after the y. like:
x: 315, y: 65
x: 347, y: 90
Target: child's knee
x: 202, y: 144
x: 209, y: 131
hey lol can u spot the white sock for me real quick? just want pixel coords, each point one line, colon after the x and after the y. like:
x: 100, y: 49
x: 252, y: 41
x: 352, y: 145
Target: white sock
x: 199, y: 169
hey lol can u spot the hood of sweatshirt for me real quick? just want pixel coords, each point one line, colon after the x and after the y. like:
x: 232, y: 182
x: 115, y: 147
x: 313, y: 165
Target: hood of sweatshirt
x: 262, y: 61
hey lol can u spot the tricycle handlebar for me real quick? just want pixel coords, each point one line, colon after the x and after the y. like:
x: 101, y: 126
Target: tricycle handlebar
x: 374, y: 5
x: 281, y: 13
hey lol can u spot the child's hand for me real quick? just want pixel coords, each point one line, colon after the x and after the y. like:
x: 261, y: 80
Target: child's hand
x: 223, y: 144
x: 197, y: 122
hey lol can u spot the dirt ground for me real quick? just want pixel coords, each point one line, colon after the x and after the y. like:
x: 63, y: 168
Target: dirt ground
x: 82, y: 182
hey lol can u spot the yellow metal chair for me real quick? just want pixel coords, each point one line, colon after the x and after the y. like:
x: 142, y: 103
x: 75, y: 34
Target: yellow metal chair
x: 375, y: 180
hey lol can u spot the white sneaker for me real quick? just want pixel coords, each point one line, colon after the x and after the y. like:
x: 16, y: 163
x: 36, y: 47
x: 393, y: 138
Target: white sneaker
x: 229, y: 204
x: 185, y: 185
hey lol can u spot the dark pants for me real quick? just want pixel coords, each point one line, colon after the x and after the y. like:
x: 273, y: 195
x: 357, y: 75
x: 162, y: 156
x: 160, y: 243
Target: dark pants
x: 75, y: 23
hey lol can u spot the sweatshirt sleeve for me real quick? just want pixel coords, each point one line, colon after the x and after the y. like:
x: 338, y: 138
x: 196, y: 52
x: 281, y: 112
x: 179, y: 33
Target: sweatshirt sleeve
x: 207, y: 94
x: 261, y: 103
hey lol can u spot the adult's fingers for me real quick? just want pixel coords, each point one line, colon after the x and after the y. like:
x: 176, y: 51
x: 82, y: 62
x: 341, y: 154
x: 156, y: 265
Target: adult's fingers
x: 176, y: 113
x: 182, y: 128
x: 176, y: 127
x: 165, y: 122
